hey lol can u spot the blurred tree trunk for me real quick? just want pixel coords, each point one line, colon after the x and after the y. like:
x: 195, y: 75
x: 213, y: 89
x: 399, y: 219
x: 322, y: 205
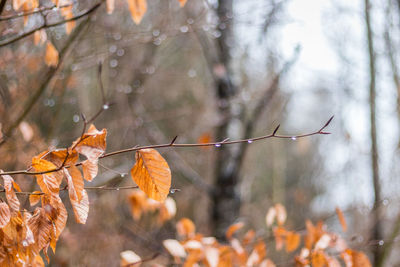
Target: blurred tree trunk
x: 377, y: 231
x: 226, y: 200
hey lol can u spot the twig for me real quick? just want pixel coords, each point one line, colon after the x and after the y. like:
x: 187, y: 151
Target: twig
x: 33, y: 11
x: 173, y: 144
x: 49, y: 25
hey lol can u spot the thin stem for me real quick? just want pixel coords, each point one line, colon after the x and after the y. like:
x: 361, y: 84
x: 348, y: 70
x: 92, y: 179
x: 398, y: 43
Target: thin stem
x: 33, y: 11
x: 173, y: 144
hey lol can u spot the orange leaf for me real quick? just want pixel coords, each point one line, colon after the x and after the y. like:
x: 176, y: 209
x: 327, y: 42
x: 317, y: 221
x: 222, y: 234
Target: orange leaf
x: 318, y: 259
x: 248, y: 237
x: 67, y: 14
x: 51, y: 57
x: 130, y: 258
x: 41, y: 227
x: 35, y: 197
x: 270, y: 217
x: 185, y: 227
x: 354, y: 258
x: 58, y: 156
x: 280, y: 213
x: 174, y: 248
x: 138, y: 203
x: 342, y: 220
x: 75, y: 183
x: 10, y: 194
x: 49, y: 183
x: 232, y: 229
x: 152, y: 174
x: 182, y: 2
x: 137, y: 8
x: 81, y: 208
x: 110, y: 6
x: 292, y: 241
x: 5, y: 214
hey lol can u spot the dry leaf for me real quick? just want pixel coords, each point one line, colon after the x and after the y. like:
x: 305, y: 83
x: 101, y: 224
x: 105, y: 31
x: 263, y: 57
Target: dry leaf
x: 152, y: 174
x: 292, y: 241
x: 81, y: 208
x: 26, y: 131
x: 342, y: 220
x: 128, y: 257
x: 137, y: 8
x: 185, y: 227
x: 49, y: 182
x: 5, y: 214
x: 51, y: 57
x: 110, y: 4
x: 182, y: 2
x: 174, y: 248
x: 232, y: 229
x: 34, y: 198
x: 11, y: 197
x: 270, y: 217
x: 281, y: 214
x: 318, y: 259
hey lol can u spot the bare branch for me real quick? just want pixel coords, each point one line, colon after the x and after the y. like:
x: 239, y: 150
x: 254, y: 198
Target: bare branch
x: 171, y: 144
x: 33, y: 11
x: 50, y: 25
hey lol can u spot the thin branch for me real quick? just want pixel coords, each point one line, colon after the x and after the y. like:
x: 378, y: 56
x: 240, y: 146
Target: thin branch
x: 49, y: 25
x: 33, y: 11
x: 173, y: 144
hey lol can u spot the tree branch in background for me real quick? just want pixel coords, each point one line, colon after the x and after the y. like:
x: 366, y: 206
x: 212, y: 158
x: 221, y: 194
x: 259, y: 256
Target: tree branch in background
x: 377, y: 231
x: 46, y: 80
x: 48, y: 25
x: 2, y: 5
x: 34, y: 11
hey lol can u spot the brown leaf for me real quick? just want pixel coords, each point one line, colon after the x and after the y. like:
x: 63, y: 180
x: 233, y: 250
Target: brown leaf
x: 51, y: 57
x: 50, y: 182
x: 270, y: 217
x: 26, y: 131
x: 354, y: 258
x: 5, y: 214
x: 58, y: 156
x: 174, y: 248
x: 67, y: 13
x: 81, y: 208
x: 92, y: 145
x: 129, y: 258
x: 137, y: 8
x: 342, y: 220
x: 10, y: 194
x: 232, y: 229
x: 110, y: 6
x: 292, y: 241
x: 185, y: 227
x: 182, y: 2
x: 248, y: 237
x: 75, y: 183
x: 280, y: 213
x: 152, y: 174
x: 318, y: 259
x: 34, y: 198
x: 42, y: 228
x: 138, y: 202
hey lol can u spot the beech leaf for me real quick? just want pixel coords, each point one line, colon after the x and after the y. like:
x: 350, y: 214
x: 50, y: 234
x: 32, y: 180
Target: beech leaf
x: 5, y: 214
x: 137, y: 8
x: 10, y: 194
x: 152, y: 174
x: 51, y: 57
x: 81, y: 208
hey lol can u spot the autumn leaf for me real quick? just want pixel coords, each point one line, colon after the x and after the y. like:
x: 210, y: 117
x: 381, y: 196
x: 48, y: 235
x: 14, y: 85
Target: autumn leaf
x: 10, y: 194
x: 232, y: 229
x: 185, y: 227
x: 137, y: 8
x: 34, y: 198
x: 182, y: 2
x: 42, y: 228
x: 92, y: 145
x: 152, y: 174
x: 129, y: 258
x: 51, y: 57
x: 292, y: 241
x: 280, y: 213
x: 174, y: 248
x: 5, y: 214
x: 353, y: 258
x: 49, y: 182
x: 342, y: 220
x: 75, y: 183
x: 110, y: 4
x: 67, y: 13
x: 81, y: 208
x: 318, y: 259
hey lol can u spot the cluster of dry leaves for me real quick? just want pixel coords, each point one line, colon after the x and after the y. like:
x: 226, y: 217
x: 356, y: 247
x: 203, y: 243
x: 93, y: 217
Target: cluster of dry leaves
x: 319, y: 248
x: 137, y: 8
x: 24, y: 234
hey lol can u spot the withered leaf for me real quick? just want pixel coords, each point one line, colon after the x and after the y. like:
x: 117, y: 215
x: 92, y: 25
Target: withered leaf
x: 137, y: 8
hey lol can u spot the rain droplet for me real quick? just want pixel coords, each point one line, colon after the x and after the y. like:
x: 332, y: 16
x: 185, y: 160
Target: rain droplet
x: 184, y: 28
x: 117, y: 36
x: 122, y: 175
x: 112, y: 49
x: 120, y: 52
x: 113, y: 63
x: 385, y: 202
x: 172, y: 191
x: 218, y: 145
x: 381, y: 242
x: 105, y: 106
x: 157, y: 41
x: 156, y: 33
x: 192, y: 73
x: 75, y: 118
x: 190, y: 21
x: 249, y: 141
x: 294, y: 138
x: 117, y: 189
